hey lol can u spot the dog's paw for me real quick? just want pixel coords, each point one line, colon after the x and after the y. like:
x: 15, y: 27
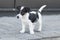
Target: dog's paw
x: 31, y: 32
x: 39, y: 30
x: 22, y: 31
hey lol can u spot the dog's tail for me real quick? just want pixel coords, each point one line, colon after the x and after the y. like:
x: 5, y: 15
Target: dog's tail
x: 40, y: 17
x: 41, y: 8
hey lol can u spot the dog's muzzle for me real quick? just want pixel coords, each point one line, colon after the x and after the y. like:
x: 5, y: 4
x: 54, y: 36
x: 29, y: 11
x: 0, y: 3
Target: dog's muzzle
x: 18, y: 17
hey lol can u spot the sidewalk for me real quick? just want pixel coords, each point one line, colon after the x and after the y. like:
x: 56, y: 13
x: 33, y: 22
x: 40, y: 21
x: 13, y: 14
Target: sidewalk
x: 10, y: 27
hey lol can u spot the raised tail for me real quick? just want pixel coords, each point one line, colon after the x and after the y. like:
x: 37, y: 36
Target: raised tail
x: 41, y: 8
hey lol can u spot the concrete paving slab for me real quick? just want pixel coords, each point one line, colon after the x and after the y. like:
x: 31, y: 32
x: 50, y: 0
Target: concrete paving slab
x: 10, y: 27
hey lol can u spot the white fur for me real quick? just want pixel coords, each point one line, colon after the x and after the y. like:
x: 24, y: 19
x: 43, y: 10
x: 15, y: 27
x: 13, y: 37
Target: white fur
x: 33, y: 12
x: 22, y: 8
x: 42, y: 7
x: 25, y: 20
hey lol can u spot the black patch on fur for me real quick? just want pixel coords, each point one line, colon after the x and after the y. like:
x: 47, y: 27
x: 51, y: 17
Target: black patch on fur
x: 24, y: 11
x: 33, y: 17
x: 18, y: 9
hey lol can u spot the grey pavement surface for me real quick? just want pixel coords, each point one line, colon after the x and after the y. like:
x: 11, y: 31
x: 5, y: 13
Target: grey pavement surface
x: 10, y: 27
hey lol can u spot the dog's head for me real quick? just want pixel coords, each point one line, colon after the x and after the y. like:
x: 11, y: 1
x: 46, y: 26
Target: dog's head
x: 23, y: 10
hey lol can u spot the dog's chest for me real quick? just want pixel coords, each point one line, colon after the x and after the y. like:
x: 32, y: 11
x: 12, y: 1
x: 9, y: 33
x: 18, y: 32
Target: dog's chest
x: 25, y: 18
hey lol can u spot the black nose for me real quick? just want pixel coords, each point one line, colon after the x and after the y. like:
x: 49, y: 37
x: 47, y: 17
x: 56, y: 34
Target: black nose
x: 18, y: 17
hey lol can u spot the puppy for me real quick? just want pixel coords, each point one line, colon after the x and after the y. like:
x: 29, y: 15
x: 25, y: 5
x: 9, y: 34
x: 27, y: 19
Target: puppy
x: 31, y: 18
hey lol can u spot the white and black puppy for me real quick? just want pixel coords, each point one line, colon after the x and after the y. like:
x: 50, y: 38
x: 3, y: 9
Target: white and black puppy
x: 31, y: 18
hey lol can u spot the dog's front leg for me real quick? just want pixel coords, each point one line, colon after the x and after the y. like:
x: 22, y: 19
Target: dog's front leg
x: 31, y: 27
x: 23, y: 28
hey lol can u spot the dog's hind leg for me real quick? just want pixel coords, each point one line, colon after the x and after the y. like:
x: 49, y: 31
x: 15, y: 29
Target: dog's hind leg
x: 40, y: 26
x: 40, y: 23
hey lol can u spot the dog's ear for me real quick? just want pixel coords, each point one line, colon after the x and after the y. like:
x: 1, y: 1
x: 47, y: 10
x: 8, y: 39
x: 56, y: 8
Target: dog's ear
x: 18, y: 8
x: 27, y: 9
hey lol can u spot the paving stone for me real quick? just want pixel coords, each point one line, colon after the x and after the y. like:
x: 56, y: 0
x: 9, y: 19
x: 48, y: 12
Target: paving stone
x: 10, y: 27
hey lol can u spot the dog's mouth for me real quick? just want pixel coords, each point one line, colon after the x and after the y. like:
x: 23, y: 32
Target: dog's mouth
x: 17, y: 17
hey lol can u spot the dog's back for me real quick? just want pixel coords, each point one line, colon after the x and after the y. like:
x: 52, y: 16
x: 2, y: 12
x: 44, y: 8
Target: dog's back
x: 33, y: 16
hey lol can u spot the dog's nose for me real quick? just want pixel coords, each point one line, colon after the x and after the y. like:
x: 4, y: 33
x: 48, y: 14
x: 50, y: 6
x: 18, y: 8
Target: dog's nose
x: 18, y: 17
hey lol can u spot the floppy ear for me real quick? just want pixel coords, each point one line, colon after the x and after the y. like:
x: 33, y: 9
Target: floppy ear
x: 27, y: 9
x: 18, y: 8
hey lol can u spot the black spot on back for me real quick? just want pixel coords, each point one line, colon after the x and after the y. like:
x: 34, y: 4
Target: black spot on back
x: 33, y: 17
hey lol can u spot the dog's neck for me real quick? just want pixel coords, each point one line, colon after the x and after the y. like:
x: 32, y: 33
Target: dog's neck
x: 23, y: 13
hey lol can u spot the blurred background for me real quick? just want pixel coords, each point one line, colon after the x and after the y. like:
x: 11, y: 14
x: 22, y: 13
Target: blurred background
x: 35, y: 4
